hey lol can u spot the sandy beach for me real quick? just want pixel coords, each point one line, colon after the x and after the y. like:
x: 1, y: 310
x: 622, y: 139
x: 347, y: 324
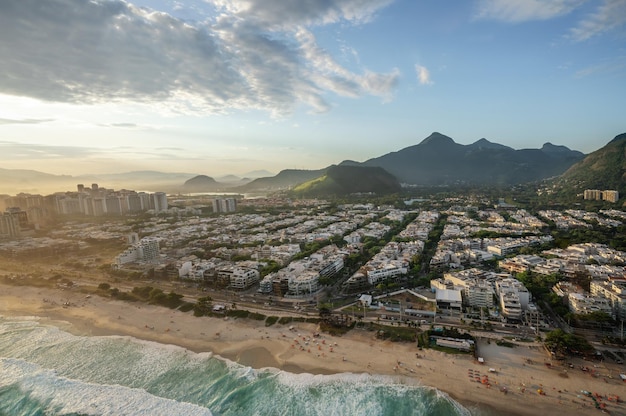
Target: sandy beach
x: 512, y: 387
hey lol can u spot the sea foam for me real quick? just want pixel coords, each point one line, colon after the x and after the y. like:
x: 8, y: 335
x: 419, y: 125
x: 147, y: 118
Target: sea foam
x: 45, y: 368
x: 59, y: 395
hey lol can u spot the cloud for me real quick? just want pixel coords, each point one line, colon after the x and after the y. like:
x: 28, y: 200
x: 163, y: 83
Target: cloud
x: 610, y: 15
x: 29, y: 151
x: 25, y: 121
x: 294, y: 14
x: 16, y: 151
x: 124, y: 125
x: 253, y: 54
x: 614, y: 65
x: 516, y: 11
x: 423, y: 75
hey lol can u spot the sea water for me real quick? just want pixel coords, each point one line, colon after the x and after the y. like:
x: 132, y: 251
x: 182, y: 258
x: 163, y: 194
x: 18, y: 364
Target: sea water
x: 46, y: 371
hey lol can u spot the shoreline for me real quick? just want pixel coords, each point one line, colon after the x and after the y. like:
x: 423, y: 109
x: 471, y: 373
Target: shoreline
x: 519, y: 372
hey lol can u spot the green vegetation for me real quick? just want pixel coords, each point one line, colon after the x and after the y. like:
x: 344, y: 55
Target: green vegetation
x: 271, y: 320
x: 346, y: 180
x: 203, y: 307
x: 395, y: 333
x: 285, y: 320
x: 602, y: 169
x: 561, y: 344
x: 335, y: 330
x: 257, y: 316
x: 186, y: 306
x: 539, y: 285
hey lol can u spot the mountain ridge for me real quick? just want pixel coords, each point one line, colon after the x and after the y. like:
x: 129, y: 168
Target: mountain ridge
x: 435, y: 160
x: 439, y: 160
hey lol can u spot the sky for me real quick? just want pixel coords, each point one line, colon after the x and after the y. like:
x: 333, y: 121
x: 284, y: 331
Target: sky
x: 221, y: 87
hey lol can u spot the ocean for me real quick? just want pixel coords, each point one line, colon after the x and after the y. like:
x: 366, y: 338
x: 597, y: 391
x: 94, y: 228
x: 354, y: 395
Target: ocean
x: 47, y: 371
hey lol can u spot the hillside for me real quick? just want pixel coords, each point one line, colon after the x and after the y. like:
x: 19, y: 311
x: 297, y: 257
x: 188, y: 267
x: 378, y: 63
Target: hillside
x: 14, y: 181
x: 346, y: 180
x: 285, y: 179
x: 200, y: 183
x: 603, y: 169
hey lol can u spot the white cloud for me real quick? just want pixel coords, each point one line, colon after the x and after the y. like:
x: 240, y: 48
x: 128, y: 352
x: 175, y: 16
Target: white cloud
x: 423, y: 75
x: 11, y: 151
x: 256, y: 54
x: 25, y: 120
x: 296, y: 13
x: 610, y: 66
x: 609, y: 16
x: 516, y: 11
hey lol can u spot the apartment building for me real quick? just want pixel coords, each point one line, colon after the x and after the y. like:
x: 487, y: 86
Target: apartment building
x: 147, y: 249
x: 598, y: 195
x: 614, y: 290
x: 514, y: 298
x: 584, y: 304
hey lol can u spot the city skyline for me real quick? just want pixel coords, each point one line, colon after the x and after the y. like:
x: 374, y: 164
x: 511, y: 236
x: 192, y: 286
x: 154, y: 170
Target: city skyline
x: 230, y: 86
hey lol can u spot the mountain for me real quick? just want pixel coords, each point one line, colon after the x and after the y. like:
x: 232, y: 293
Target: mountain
x: 285, y: 179
x: 486, y: 144
x: 258, y: 174
x: 346, y: 180
x: 14, y: 181
x: 562, y: 150
x: 603, y: 169
x: 439, y: 160
x: 229, y: 178
x: 201, y: 183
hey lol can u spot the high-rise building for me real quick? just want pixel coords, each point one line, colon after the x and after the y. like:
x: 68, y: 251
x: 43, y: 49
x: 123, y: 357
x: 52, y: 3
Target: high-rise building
x: 149, y: 248
x: 611, y: 196
x: 224, y: 205
x: 9, y: 225
x: 598, y: 195
x: 113, y: 205
x: 160, y: 201
x: 134, y: 202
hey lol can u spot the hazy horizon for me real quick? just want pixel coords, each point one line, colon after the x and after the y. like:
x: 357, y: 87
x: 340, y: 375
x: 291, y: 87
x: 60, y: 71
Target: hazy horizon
x: 222, y: 87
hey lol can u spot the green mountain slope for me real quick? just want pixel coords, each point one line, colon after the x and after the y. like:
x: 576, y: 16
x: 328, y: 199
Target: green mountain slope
x: 603, y: 169
x: 285, y: 179
x: 345, y: 180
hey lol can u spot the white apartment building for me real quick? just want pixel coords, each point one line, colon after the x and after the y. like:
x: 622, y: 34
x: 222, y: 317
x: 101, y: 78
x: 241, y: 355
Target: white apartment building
x: 584, y: 304
x: 479, y: 295
x: 304, y: 283
x: 160, y: 201
x: 147, y: 249
x: 614, y: 290
x: 381, y: 272
x: 224, y: 205
x: 514, y: 298
x: 475, y: 285
x: 239, y: 277
x: 511, y: 306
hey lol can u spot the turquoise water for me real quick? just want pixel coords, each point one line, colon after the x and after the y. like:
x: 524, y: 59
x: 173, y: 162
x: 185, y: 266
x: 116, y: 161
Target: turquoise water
x: 46, y: 371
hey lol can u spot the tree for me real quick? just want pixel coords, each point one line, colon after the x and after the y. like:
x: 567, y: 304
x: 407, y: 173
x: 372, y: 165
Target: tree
x: 561, y: 343
x: 203, y: 306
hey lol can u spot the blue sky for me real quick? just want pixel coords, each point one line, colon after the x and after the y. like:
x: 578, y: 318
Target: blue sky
x: 230, y: 86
